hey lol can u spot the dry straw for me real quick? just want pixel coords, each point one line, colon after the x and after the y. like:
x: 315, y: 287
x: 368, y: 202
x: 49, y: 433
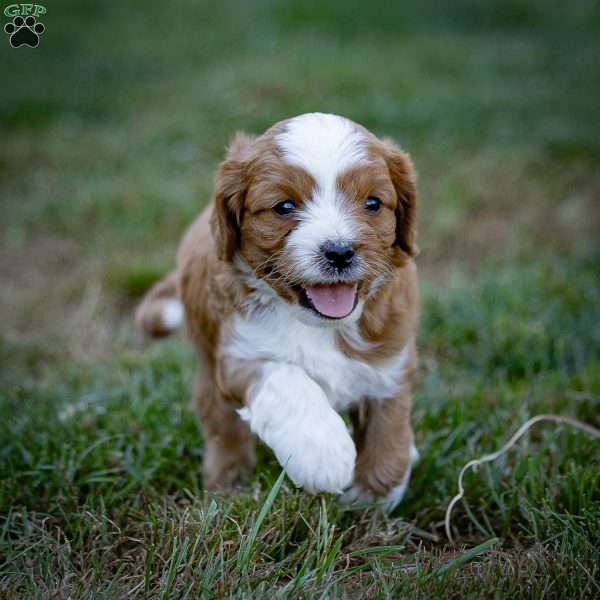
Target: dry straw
x: 511, y: 442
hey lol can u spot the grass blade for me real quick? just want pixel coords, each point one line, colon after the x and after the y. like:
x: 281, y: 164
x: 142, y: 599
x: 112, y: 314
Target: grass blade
x: 248, y: 544
x: 464, y: 558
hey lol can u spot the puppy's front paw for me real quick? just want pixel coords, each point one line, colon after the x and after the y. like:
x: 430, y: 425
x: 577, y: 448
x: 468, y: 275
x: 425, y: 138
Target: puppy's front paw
x: 357, y: 494
x: 291, y: 414
x: 319, y: 457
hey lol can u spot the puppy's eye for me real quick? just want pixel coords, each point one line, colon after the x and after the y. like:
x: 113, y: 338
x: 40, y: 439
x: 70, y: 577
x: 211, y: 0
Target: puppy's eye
x: 284, y: 208
x: 373, y: 203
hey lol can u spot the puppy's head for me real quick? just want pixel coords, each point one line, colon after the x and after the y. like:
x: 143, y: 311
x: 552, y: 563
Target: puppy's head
x: 320, y: 209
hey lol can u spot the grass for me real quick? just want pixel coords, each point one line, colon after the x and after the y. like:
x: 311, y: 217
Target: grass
x: 111, y: 132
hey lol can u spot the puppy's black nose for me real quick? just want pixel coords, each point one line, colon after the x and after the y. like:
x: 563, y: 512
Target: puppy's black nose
x: 338, y: 254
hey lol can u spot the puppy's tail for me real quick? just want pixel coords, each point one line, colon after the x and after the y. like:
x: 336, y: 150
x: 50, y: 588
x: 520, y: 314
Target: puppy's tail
x: 161, y: 312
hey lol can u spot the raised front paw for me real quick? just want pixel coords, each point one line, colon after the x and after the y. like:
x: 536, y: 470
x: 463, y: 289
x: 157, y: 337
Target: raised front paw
x: 291, y: 414
x: 319, y: 457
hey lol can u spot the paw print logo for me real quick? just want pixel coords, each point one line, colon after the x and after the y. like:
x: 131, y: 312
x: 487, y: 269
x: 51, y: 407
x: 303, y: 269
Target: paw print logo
x: 24, y: 32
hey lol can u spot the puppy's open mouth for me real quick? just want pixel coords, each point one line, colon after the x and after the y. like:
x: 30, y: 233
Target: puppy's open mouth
x: 330, y: 300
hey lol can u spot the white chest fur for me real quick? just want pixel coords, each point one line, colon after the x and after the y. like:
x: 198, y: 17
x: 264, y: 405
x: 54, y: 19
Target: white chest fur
x: 273, y: 333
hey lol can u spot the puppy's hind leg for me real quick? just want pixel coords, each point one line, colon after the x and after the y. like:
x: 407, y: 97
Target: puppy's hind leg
x: 229, y: 453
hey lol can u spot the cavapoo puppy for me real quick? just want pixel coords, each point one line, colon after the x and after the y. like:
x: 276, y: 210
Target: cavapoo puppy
x: 298, y: 289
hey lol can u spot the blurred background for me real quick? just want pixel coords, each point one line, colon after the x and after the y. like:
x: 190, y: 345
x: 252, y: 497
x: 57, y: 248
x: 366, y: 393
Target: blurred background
x: 111, y: 130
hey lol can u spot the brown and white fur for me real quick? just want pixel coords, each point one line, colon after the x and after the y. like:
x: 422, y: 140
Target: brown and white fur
x: 271, y: 363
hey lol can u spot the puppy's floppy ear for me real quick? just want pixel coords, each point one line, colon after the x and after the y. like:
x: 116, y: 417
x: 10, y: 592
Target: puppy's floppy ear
x: 230, y: 190
x: 404, y: 179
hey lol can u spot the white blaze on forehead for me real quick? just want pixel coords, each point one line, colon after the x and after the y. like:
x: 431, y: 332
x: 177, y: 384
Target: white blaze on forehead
x: 324, y: 146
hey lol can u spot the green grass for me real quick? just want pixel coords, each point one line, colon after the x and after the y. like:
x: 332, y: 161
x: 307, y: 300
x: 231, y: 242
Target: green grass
x: 111, y: 132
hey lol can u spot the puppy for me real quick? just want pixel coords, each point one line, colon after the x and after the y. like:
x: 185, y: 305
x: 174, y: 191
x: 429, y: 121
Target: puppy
x: 299, y: 292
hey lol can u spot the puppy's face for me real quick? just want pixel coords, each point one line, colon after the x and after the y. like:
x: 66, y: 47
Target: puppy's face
x: 320, y: 209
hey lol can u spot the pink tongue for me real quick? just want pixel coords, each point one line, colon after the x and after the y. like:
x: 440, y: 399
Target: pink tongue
x: 333, y: 300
